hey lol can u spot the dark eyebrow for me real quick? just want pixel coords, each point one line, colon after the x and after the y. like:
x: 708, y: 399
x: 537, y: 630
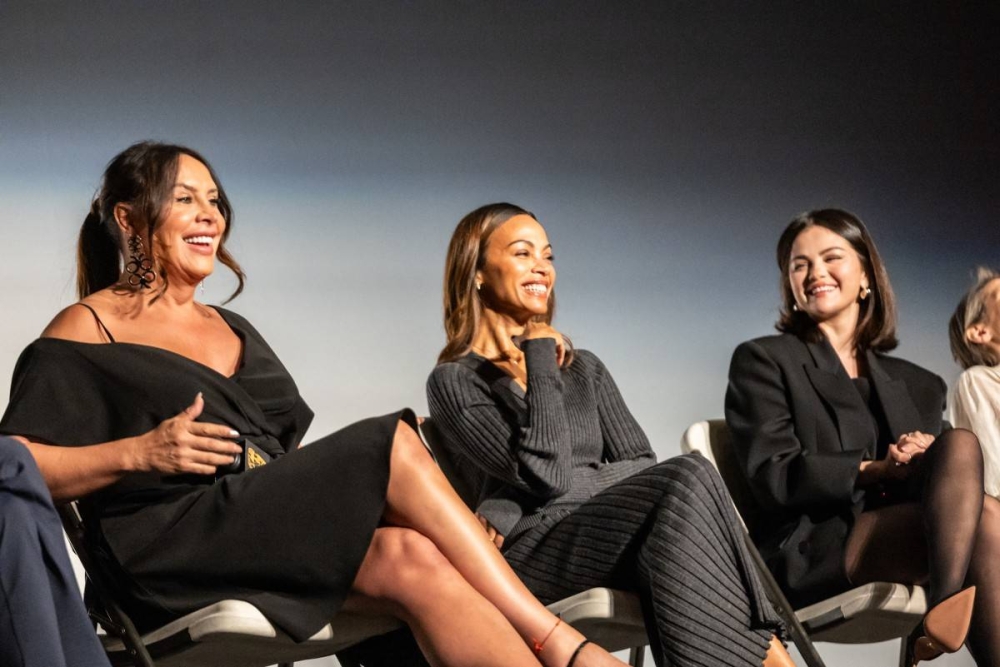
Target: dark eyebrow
x: 547, y: 247
x: 822, y: 252
x: 193, y: 190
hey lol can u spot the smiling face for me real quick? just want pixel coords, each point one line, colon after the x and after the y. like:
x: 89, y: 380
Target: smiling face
x: 517, y: 275
x: 187, y: 239
x: 826, y: 276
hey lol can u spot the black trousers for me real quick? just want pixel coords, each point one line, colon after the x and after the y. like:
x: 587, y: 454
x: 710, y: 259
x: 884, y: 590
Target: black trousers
x: 42, y: 619
x: 671, y: 534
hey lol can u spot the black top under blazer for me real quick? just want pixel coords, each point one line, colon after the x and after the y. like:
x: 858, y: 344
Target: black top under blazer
x: 801, y: 430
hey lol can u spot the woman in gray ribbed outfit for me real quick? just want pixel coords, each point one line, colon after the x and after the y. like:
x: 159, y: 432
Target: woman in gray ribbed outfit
x: 566, y: 481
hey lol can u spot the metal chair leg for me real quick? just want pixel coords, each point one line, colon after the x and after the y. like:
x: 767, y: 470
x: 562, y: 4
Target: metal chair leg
x: 799, y: 635
x: 636, y: 656
x: 902, y: 653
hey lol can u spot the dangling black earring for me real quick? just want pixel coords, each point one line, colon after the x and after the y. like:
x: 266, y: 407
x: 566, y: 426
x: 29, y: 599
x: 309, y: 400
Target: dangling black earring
x: 139, y: 267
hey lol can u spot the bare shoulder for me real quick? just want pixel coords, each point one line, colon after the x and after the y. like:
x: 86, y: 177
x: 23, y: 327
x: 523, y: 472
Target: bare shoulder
x: 76, y: 323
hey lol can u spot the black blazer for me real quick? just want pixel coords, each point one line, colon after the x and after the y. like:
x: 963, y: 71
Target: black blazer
x: 801, y: 430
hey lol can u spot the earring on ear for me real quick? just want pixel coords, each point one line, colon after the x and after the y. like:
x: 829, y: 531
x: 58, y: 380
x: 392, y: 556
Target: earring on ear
x: 479, y: 285
x: 795, y: 307
x: 139, y: 267
x: 865, y: 291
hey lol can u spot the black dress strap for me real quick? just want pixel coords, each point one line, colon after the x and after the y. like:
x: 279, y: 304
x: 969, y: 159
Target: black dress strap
x: 99, y: 322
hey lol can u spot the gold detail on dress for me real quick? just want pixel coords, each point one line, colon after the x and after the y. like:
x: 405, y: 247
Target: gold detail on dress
x: 254, y: 460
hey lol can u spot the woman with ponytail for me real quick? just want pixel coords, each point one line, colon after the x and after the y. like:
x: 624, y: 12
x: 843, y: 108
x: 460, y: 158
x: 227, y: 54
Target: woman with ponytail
x: 180, y: 429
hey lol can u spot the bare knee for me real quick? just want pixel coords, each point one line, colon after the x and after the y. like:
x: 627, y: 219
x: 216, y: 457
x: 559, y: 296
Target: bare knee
x: 400, y: 564
x: 408, y: 449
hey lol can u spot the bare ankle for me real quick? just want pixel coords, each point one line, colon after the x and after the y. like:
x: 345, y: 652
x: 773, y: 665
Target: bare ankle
x: 568, y: 648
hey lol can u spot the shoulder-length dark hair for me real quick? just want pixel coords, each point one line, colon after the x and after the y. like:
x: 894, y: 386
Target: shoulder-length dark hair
x: 142, y: 176
x: 463, y: 308
x: 876, y: 328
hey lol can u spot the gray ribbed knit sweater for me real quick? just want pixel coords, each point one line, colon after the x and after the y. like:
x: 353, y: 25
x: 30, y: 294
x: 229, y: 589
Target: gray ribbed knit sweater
x: 550, y: 448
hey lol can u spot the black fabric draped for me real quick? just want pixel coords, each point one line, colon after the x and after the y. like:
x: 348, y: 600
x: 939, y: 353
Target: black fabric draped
x: 287, y: 537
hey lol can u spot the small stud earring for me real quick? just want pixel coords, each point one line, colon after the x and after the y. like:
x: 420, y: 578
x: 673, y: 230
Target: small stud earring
x: 795, y: 307
x: 865, y: 291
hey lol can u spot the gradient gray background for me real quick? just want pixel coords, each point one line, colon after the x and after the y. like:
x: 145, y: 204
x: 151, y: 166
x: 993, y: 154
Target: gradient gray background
x: 663, y: 146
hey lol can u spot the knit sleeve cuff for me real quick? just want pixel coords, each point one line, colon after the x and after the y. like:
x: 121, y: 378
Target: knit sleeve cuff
x: 540, y: 356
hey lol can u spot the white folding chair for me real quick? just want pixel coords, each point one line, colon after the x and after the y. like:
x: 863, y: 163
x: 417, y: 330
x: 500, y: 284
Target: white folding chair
x: 230, y: 633
x: 867, y: 614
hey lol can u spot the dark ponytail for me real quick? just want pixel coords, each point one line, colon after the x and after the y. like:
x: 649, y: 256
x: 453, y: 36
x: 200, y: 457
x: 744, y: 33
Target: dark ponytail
x: 97, y: 254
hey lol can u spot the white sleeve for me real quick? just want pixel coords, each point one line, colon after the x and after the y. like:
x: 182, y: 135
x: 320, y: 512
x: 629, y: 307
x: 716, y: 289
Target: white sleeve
x: 975, y: 405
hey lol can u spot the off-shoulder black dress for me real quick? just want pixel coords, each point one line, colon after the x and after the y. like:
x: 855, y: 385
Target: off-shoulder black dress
x: 287, y: 537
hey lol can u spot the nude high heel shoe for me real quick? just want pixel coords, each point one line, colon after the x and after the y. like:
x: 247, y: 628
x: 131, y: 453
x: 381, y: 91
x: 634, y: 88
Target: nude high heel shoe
x: 943, y: 629
x: 777, y: 655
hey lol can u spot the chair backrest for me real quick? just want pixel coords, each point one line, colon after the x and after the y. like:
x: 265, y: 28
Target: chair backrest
x: 713, y: 440
x: 101, y: 604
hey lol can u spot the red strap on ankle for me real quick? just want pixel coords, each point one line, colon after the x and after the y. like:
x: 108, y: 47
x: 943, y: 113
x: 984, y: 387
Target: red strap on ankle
x: 537, y: 646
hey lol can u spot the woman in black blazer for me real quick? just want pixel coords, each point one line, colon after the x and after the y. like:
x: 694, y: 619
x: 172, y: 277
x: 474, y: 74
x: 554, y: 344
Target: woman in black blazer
x: 845, y: 448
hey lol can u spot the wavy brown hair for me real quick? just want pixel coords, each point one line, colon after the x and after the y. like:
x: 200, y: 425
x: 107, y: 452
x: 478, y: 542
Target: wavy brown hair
x: 143, y: 177
x: 876, y: 329
x: 463, y: 307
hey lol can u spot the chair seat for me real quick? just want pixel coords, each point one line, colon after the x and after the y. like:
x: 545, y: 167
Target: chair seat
x: 610, y: 618
x: 234, y: 633
x: 871, y: 613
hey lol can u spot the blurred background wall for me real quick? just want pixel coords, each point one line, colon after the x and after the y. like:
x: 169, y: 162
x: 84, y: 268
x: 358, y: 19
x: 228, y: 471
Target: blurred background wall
x: 663, y: 145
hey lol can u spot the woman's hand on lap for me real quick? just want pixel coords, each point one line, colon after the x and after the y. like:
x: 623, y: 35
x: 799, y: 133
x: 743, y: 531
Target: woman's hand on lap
x: 181, y: 445
x: 897, y: 462
x: 494, y: 536
x: 915, y: 441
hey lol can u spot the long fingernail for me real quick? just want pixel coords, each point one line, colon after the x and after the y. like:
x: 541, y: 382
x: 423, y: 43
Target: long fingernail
x: 234, y: 434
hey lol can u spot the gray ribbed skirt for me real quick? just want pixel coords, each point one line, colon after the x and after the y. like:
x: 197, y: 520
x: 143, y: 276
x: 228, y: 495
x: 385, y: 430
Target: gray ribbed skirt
x: 671, y: 534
